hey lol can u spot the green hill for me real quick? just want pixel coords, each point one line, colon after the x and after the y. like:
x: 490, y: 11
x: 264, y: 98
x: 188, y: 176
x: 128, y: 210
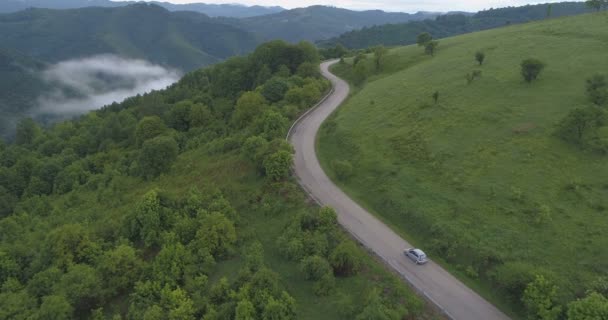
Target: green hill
x: 179, y: 204
x: 20, y: 85
x: 320, y: 22
x: 185, y: 40
x: 212, y: 10
x: 452, y: 24
x: 491, y: 179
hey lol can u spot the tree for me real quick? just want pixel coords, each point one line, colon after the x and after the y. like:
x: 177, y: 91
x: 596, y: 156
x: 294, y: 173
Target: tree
x: 431, y: 47
x: 148, y: 128
x: 540, y: 299
x: 549, y: 10
x: 55, y: 307
x: 178, y: 116
x: 274, y: 90
x: 200, y: 115
x: 375, y: 309
x: 359, y: 74
x: 315, y: 267
x: 245, y: 311
x: 278, y: 165
x: 249, y: 105
x: 480, y: 57
x: 593, y: 307
x: 435, y: 96
x: 581, y: 123
x: 81, y: 285
x: 531, y: 68
x: 146, y: 220
x: 217, y: 234
x: 379, y: 53
x: 119, y: 269
x: 595, y: 4
x: 345, y: 259
x: 272, y: 125
x: 423, y: 39
x: 597, y: 89
x: 157, y: 155
x: 308, y: 70
x: 27, y: 130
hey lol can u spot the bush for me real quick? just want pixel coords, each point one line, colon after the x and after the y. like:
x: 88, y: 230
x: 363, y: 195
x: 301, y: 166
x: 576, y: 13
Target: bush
x: 345, y: 259
x: 480, y: 57
x: 597, y: 89
x: 315, y: 267
x: 531, y: 68
x: 343, y: 169
x: 278, y: 165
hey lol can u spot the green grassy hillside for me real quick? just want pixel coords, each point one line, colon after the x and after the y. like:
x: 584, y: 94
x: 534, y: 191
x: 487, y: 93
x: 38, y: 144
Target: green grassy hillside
x: 480, y: 178
x: 453, y: 24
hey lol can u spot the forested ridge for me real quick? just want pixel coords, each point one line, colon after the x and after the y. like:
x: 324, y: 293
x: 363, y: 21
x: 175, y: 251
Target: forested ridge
x: 453, y: 24
x: 179, y: 204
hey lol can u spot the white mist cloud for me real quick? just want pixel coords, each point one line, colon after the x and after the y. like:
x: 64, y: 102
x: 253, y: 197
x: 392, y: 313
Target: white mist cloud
x: 87, y: 84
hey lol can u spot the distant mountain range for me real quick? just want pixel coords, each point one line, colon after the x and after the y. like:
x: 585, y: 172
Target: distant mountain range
x: 321, y: 22
x: 452, y: 24
x: 184, y: 40
x: 212, y: 10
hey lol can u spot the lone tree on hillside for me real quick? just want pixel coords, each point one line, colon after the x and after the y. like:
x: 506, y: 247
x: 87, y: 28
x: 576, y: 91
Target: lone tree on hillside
x: 423, y: 39
x: 597, y: 89
x: 379, y: 53
x: 480, y: 57
x: 531, y: 68
x: 430, y: 48
x: 596, y: 5
x: 436, y: 96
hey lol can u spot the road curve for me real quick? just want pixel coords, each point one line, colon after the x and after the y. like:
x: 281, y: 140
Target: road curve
x: 450, y: 295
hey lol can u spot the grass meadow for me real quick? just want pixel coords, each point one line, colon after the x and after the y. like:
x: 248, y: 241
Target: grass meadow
x: 478, y: 178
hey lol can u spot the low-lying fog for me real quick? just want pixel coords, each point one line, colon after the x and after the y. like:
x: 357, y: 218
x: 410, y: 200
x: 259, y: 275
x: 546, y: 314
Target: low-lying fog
x: 87, y: 84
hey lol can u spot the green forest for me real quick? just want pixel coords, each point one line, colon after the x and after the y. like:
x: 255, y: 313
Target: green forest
x: 179, y: 204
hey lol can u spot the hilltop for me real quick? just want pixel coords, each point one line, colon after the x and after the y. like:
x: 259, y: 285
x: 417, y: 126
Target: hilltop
x: 489, y: 174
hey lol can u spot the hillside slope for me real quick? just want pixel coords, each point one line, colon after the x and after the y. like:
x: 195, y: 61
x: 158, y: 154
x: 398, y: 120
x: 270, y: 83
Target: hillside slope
x: 480, y: 178
x: 184, y: 40
x: 179, y: 204
x: 453, y: 24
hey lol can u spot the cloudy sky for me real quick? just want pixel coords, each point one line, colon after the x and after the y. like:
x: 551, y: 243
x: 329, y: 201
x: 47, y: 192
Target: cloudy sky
x: 386, y: 5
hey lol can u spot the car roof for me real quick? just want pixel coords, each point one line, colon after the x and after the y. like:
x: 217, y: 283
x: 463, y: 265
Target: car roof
x: 419, y: 252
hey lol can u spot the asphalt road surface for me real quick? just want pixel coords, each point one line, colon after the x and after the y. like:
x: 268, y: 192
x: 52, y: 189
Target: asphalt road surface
x: 450, y: 295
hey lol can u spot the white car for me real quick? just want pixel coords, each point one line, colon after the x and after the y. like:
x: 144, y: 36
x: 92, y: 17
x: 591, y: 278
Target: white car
x: 417, y: 255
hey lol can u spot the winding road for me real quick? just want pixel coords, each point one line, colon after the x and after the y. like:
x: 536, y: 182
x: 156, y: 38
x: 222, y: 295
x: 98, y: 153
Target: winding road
x: 450, y: 295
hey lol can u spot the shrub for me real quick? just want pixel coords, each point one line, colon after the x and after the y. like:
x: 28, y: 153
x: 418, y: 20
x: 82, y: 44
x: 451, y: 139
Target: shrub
x: 597, y: 89
x: 531, y: 68
x: 315, y: 267
x: 480, y: 57
x: 431, y: 47
x: 345, y: 259
x: 278, y: 165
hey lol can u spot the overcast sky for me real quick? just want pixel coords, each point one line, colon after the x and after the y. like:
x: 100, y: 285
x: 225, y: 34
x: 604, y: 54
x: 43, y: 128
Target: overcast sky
x: 386, y: 5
